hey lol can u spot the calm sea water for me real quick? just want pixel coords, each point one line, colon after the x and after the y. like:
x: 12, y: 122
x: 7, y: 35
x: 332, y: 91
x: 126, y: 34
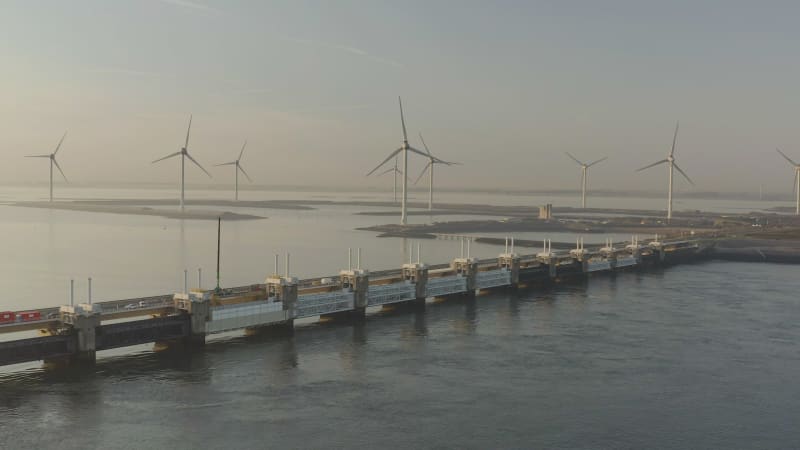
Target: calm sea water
x: 695, y: 356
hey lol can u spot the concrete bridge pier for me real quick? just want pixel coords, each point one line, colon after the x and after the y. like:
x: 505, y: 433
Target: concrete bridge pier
x: 551, y: 262
x: 84, y: 320
x: 635, y: 249
x: 468, y: 268
x: 658, y: 251
x: 197, y: 304
x: 418, y: 275
x: 510, y: 261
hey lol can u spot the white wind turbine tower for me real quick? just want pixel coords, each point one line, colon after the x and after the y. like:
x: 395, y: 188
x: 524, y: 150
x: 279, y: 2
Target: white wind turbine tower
x: 184, y: 153
x: 671, y: 165
x: 52, y: 158
x: 584, y: 175
x: 237, y: 167
x: 396, y: 171
x: 796, y: 182
x: 429, y: 167
x: 405, y: 149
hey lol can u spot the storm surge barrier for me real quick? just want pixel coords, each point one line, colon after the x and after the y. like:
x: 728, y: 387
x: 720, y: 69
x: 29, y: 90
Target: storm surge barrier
x: 74, y: 333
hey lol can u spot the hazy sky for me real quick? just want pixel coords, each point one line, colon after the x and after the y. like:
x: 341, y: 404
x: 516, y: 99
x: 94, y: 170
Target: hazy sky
x: 504, y: 87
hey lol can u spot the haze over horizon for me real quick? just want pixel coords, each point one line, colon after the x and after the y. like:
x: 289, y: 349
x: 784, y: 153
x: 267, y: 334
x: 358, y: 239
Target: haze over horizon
x: 313, y: 86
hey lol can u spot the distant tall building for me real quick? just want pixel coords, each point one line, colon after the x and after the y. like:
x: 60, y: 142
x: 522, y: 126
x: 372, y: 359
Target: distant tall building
x: 546, y: 211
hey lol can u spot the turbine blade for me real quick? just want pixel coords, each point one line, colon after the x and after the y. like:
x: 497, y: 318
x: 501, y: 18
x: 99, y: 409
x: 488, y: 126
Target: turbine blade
x: 167, y: 157
x: 598, y: 161
x: 186, y: 145
x: 674, y: 139
x: 447, y: 163
x: 37, y: 156
x: 58, y: 147
x: 424, y: 169
x: 402, y: 119
x: 425, y: 145
x: 391, y: 155
x: 683, y: 173
x: 242, y: 152
x: 651, y: 165
x: 59, y: 169
x: 787, y: 158
x: 198, y: 164
x: 573, y: 158
x: 387, y: 171
x: 412, y: 149
x: 225, y: 164
x: 245, y: 173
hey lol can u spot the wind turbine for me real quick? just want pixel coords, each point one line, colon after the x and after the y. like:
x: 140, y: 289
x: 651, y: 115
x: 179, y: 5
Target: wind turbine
x: 53, y: 161
x: 237, y: 168
x: 405, y: 149
x: 184, y: 153
x: 672, y: 165
x: 796, y: 181
x: 396, y: 171
x: 584, y: 175
x: 429, y: 167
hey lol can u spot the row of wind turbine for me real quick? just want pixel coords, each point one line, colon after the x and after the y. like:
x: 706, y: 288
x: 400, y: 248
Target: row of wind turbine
x: 669, y: 160
x: 405, y: 149
x: 432, y: 160
x: 183, y: 153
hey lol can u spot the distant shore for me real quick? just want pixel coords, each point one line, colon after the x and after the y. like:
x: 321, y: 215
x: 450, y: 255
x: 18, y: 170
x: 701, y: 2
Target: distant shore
x: 109, y: 208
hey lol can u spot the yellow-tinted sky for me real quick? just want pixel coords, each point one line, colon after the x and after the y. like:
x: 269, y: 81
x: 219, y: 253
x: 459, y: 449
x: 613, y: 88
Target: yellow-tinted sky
x: 504, y: 87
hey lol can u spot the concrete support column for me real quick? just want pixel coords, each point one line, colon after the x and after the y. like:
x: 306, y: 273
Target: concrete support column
x: 357, y: 280
x: 84, y: 320
x: 658, y: 251
x: 510, y: 262
x: 468, y: 268
x: 198, y: 305
x: 551, y: 263
x: 417, y: 274
x: 636, y: 252
x: 284, y: 290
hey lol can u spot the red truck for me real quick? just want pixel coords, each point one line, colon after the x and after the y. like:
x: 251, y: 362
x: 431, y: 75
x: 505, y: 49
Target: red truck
x: 7, y: 317
x: 29, y: 316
